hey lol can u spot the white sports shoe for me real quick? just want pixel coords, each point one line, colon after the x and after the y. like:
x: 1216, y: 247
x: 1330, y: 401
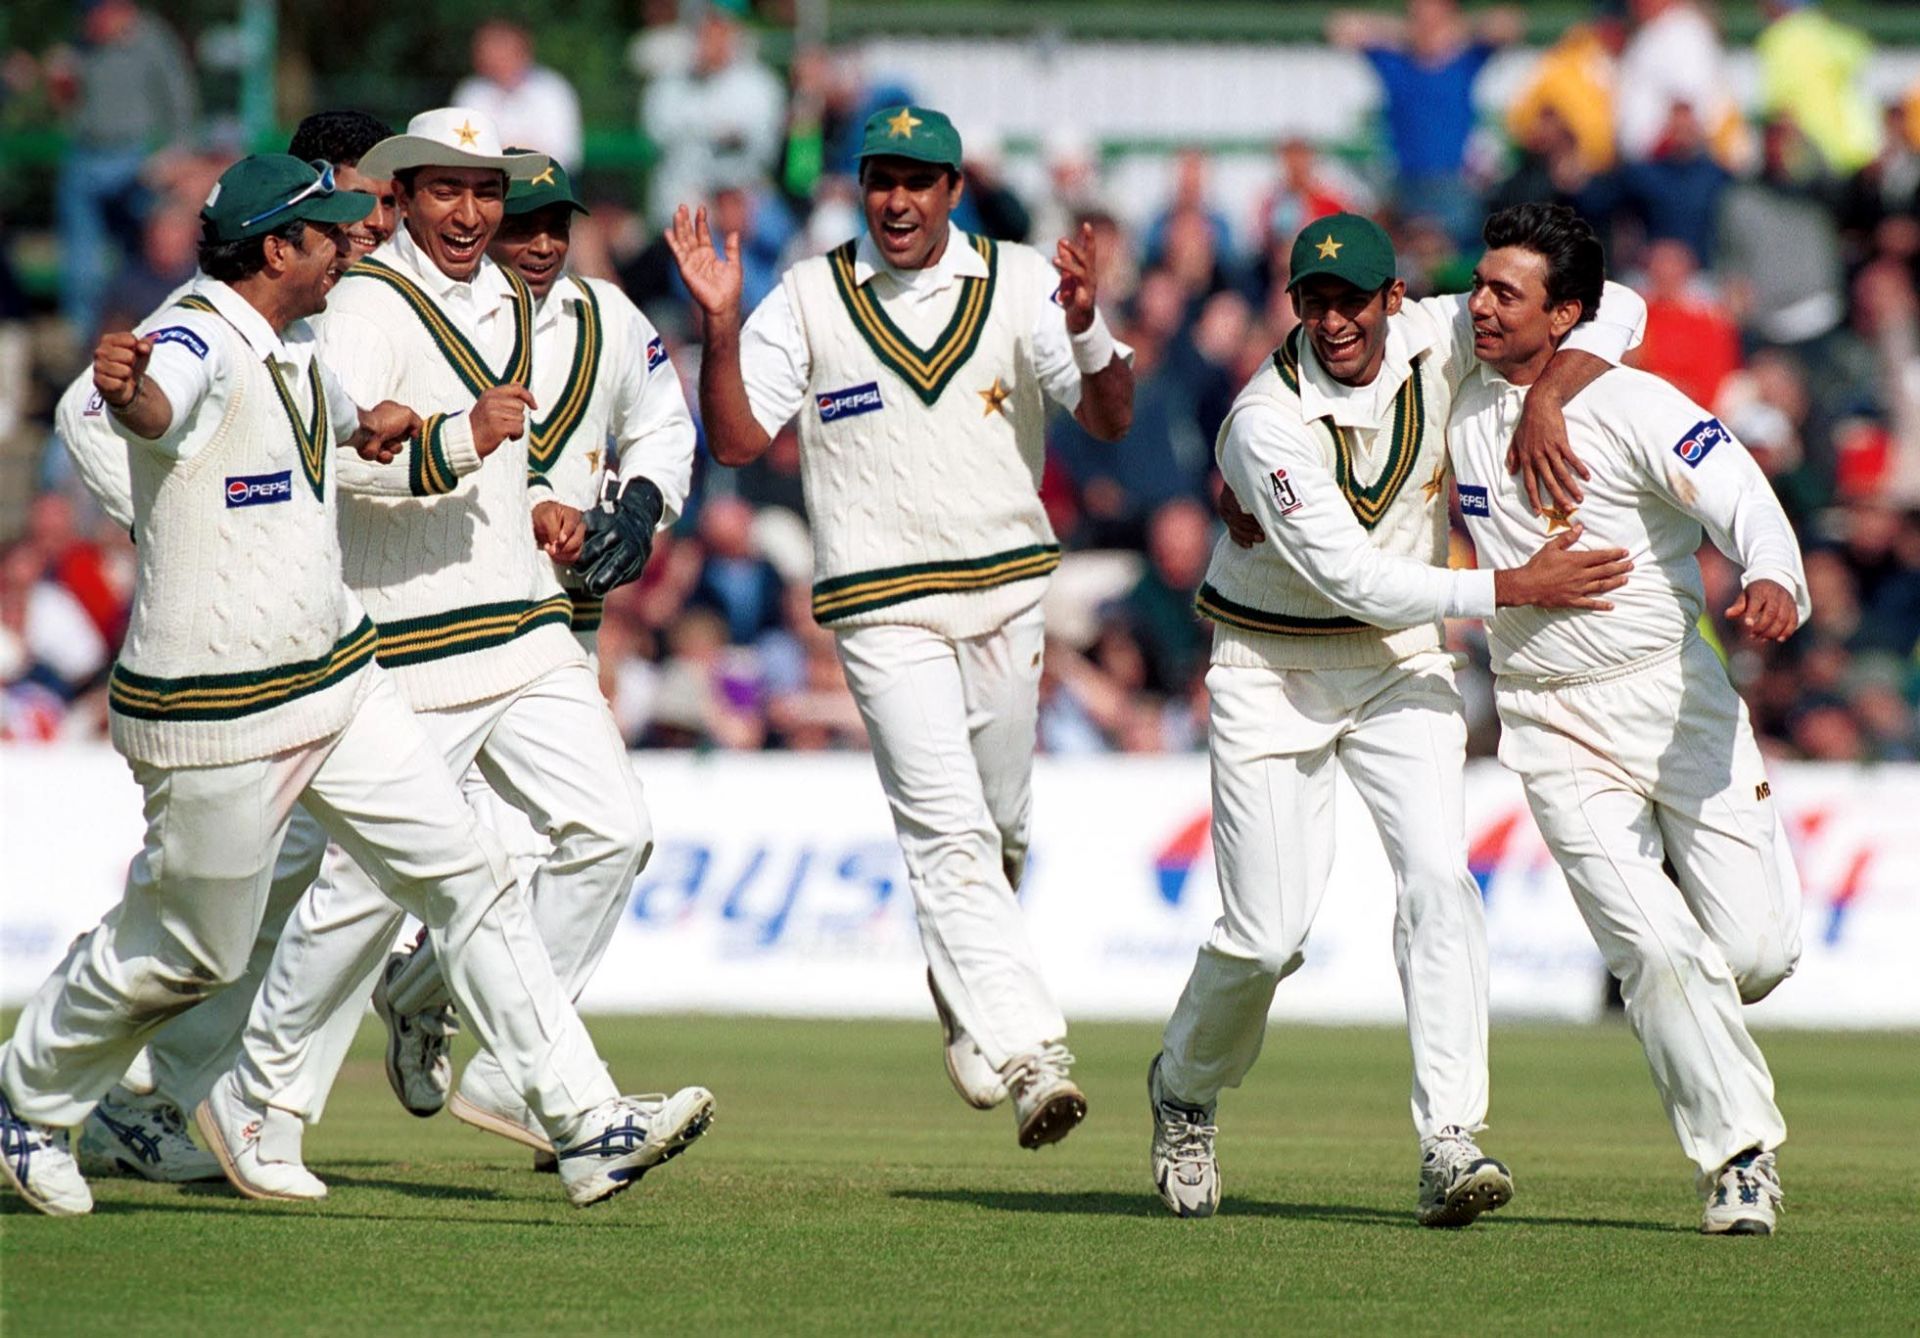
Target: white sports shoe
x: 419, y: 1065
x: 1046, y: 1104
x: 40, y: 1167
x: 1185, y: 1171
x: 485, y: 1102
x: 142, y: 1136
x: 622, y: 1139
x: 978, y: 1082
x: 1458, y: 1182
x: 259, y: 1150
x: 1742, y: 1198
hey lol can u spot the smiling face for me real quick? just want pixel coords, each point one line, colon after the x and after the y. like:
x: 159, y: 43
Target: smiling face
x: 1347, y: 325
x: 907, y: 204
x: 1515, y: 328
x: 371, y: 232
x: 308, y: 268
x: 535, y: 245
x: 452, y: 214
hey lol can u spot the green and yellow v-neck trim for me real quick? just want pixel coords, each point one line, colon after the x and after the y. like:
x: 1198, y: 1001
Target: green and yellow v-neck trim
x: 1406, y: 435
x: 927, y: 371
x: 458, y: 350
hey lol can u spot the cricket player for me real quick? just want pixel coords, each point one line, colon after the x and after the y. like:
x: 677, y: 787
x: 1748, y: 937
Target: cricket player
x: 602, y: 370
x: 1327, y: 652
x: 473, y: 628
x: 1632, y: 744
x: 138, y: 1127
x: 918, y: 360
x: 247, y: 683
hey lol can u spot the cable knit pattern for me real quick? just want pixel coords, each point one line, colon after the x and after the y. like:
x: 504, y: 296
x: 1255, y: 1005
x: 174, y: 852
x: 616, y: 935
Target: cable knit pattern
x: 923, y: 513
x: 243, y: 642
x: 468, y: 608
x: 1248, y: 588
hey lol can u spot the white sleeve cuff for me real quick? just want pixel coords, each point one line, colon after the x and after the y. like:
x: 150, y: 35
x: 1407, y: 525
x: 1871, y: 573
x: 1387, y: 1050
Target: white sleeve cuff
x: 1472, y: 595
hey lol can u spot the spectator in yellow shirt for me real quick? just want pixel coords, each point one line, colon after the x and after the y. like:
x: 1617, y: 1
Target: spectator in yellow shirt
x: 1809, y: 70
x: 1574, y: 81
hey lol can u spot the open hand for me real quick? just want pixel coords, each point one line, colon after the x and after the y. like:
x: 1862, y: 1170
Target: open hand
x: 1076, y: 263
x: 710, y: 274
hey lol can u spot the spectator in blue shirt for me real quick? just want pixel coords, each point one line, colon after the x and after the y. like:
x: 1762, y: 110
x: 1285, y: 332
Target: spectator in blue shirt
x: 1427, y: 65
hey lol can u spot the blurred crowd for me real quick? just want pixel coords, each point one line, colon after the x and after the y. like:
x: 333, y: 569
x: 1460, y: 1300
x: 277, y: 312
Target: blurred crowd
x: 1778, y: 248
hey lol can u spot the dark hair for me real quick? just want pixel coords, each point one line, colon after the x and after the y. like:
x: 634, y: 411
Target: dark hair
x: 339, y: 137
x: 1576, y: 262
x: 230, y: 262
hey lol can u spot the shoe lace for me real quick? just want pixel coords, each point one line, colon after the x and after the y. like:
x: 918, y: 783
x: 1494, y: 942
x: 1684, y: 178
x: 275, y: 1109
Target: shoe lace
x: 1762, y: 1174
x: 1451, y: 1147
x: 1187, y: 1139
x: 1049, y: 1063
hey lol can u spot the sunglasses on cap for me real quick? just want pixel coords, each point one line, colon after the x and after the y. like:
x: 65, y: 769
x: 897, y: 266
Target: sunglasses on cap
x: 319, y: 188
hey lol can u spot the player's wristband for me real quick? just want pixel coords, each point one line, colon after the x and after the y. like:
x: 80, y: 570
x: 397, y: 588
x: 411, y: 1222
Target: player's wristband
x: 1093, y: 348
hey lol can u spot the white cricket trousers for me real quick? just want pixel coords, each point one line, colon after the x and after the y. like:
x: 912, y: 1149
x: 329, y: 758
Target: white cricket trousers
x: 953, y: 725
x: 196, y: 893
x: 552, y: 751
x: 187, y: 1054
x: 1400, y: 733
x: 1657, y: 761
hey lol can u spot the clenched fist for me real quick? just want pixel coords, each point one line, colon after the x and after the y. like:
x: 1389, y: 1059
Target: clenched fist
x: 120, y: 368
x: 500, y: 415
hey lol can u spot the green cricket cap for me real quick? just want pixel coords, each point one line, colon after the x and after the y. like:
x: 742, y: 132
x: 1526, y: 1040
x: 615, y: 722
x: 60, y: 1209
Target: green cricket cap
x: 1345, y: 246
x: 919, y: 133
x: 552, y: 186
x: 270, y: 190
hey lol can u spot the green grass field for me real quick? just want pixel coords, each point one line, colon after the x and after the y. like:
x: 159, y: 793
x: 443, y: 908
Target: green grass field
x: 845, y: 1188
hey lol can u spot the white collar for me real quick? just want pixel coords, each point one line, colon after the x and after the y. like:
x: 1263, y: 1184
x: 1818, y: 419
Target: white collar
x: 1366, y: 406
x: 404, y: 253
x: 549, y: 310
x: 958, y: 261
x: 243, y: 316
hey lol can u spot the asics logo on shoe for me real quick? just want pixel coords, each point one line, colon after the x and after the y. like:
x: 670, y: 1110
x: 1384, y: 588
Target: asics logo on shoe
x: 134, y: 1139
x: 616, y: 1141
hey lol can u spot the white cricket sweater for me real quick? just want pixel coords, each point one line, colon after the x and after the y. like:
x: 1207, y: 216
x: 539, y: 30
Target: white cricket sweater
x: 243, y: 642
x: 1663, y: 471
x: 921, y: 450
x: 1380, y: 450
x: 438, y: 544
x: 1311, y: 457
x: 604, y: 384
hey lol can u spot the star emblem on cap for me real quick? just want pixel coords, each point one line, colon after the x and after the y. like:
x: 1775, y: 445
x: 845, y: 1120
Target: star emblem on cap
x: 1329, y: 248
x: 544, y: 179
x: 468, y: 135
x: 1557, y: 518
x: 901, y: 126
x: 996, y: 397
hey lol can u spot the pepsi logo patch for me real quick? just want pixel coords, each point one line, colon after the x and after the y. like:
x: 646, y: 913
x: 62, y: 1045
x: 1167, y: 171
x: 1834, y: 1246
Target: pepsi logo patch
x: 1473, y: 500
x: 1284, y: 495
x: 1701, y: 438
x: 259, y: 489
x: 181, y: 335
x: 848, y: 403
x: 656, y: 352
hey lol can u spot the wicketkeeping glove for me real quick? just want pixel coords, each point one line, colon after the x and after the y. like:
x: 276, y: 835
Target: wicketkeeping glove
x: 619, y: 541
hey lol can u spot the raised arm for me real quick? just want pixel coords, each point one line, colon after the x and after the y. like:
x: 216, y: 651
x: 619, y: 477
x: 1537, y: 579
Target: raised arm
x: 714, y: 279
x: 1105, y: 409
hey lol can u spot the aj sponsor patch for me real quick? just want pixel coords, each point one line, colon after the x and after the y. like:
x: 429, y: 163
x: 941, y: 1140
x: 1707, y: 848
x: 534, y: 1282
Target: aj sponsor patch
x: 1473, y: 500
x: 656, y: 352
x: 181, y: 335
x: 1284, y: 495
x: 96, y: 405
x: 259, y: 489
x: 848, y: 403
x: 1701, y: 438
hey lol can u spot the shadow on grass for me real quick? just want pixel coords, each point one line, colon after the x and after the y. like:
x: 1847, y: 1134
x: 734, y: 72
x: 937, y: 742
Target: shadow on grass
x: 215, y: 1204
x: 1105, y: 1203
